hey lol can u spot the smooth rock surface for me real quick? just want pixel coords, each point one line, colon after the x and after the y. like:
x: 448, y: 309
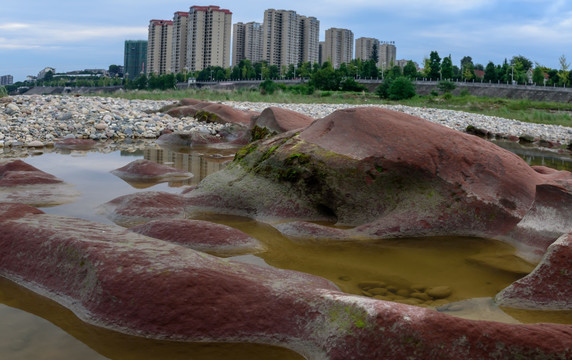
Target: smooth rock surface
x: 24, y: 183
x: 549, y: 286
x: 215, y: 239
x: 278, y: 120
x: 114, y: 278
x: 361, y: 167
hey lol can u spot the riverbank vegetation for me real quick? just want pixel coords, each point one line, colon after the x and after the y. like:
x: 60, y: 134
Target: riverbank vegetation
x: 524, y: 110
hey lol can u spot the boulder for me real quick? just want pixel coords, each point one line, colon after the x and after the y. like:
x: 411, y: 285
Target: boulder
x: 362, y: 168
x: 23, y: 183
x: 211, y: 112
x: 18, y: 173
x: 549, y: 217
x: 215, y: 239
x: 275, y: 120
x: 145, y: 171
x: 188, y: 139
x: 124, y: 281
x: 549, y: 286
x: 141, y: 207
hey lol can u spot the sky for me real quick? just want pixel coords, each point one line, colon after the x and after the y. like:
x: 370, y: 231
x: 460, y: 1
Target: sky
x: 75, y: 35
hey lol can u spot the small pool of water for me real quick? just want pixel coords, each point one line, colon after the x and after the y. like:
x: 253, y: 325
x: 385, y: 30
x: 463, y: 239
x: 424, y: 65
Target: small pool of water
x: 36, y: 328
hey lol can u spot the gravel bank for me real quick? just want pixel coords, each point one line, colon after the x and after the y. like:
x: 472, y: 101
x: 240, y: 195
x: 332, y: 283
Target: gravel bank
x: 35, y: 121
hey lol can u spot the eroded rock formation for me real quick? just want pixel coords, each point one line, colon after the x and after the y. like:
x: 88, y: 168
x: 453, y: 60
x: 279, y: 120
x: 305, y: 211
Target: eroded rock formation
x: 128, y: 282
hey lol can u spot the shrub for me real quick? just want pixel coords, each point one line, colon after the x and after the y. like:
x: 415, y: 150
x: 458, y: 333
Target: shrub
x: 447, y: 86
x: 349, y: 84
x: 268, y: 87
x: 3, y: 91
x: 401, y: 88
x: 383, y: 89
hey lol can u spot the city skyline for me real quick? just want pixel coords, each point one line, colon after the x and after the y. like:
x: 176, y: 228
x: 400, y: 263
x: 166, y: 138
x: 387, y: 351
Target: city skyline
x: 68, y: 35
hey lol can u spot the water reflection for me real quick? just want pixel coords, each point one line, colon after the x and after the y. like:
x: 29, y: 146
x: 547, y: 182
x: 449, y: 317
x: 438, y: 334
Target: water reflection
x: 539, y: 156
x: 24, y: 334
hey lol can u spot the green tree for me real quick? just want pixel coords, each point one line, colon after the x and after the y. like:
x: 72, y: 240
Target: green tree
x: 401, y: 88
x: 114, y: 70
x: 304, y: 70
x: 563, y: 73
x: 447, y: 68
x: 291, y: 72
x: 273, y: 72
x: 410, y: 70
x: 268, y: 87
x: 521, y: 63
x: 374, y: 53
x: 49, y: 76
x: 490, y: 73
x: 325, y: 78
x: 467, y: 68
x: 538, y: 76
x: 434, y: 65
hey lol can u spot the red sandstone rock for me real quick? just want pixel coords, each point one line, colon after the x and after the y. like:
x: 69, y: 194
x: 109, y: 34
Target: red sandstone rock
x: 19, y: 173
x: 188, y: 139
x: 23, y: 183
x: 190, y: 101
x: 216, y: 239
x: 121, y: 280
x: 135, y: 209
x: 280, y: 120
x: 388, y: 174
x: 549, y: 286
x: 212, y: 112
x: 146, y: 171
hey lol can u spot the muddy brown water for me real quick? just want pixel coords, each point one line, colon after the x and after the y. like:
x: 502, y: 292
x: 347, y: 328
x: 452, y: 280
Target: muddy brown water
x: 471, y: 270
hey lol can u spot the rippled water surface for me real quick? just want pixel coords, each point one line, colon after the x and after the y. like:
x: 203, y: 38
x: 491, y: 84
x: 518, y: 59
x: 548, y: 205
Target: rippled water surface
x: 33, y: 327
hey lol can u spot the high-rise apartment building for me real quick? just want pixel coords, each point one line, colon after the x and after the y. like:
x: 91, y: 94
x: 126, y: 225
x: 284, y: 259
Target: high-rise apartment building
x: 208, y: 40
x: 247, y: 42
x: 159, y: 47
x: 289, y: 38
x: 386, y: 51
x: 179, y: 46
x: 310, y: 39
x: 364, y: 48
x: 387, y: 54
x: 6, y: 80
x: 339, y: 46
x: 134, y: 58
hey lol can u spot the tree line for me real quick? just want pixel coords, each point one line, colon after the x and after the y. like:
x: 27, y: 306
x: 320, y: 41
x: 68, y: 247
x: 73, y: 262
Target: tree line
x: 518, y: 69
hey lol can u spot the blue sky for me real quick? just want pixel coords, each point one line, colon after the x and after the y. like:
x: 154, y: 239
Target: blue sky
x: 73, y: 35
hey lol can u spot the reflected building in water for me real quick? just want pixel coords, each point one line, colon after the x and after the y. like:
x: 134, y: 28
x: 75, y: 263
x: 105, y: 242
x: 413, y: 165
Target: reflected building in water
x: 199, y: 164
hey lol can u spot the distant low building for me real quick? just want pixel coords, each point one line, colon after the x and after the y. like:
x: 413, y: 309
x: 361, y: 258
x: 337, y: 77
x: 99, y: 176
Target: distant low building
x: 6, y: 80
x: 44, y: 71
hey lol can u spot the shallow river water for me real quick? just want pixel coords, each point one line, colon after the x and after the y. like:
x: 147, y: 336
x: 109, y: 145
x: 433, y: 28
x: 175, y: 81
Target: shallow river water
x: 475, y: 269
